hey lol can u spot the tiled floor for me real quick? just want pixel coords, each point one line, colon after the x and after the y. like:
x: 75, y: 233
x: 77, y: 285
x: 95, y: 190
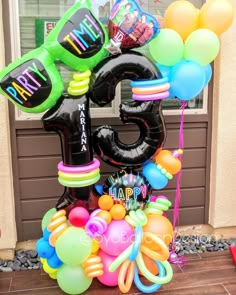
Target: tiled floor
x: 208, y: 273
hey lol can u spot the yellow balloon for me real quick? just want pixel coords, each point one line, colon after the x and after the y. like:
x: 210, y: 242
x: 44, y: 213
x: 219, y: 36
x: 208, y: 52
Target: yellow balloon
x: 183, y: 17
x: 53, y: 275
x: 42, y: 260
x: 95, y: 246
x: 48, y: 269
x: 216, y: 15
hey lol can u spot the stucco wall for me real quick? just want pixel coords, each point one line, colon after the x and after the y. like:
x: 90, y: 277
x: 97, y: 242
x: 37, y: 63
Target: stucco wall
x: 7, y: 211
x: 223, y: 167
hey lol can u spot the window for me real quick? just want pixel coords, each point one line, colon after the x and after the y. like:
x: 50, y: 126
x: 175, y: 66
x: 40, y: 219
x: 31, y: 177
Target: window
x: 32, y: 20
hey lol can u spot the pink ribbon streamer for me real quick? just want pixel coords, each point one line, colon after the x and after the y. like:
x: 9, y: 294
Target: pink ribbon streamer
x: 175, y: 258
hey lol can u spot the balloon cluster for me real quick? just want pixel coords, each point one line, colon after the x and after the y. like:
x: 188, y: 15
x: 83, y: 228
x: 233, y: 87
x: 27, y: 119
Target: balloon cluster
x: 189, y: 42
x: 110, y: 244
x: 127, y: 234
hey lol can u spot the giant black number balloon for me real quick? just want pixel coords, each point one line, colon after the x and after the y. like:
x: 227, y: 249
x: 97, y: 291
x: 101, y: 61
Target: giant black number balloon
x: 146, y: 115
x: 70, y: 118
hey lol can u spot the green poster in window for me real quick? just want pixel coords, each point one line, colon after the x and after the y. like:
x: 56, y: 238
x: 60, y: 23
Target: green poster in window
x: 42, y: 28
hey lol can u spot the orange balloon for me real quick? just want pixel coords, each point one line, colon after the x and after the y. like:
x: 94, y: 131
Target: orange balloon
x: 105, y: 202
x: 118, y: 212
x: 216, y: 15
x: 150, y: 264
x: 168, y: 161
x: 160, y: 226
x: 106, y: 215
x: 183, y: 17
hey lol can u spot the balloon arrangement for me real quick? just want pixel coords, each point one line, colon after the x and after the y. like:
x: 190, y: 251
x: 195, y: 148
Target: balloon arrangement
x: 115, y: 231
x: 189, y: 42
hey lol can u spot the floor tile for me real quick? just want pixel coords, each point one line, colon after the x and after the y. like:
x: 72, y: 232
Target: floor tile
x: 231, y: 287
x: 5, y: 284
x: 209, y: 290
x: 208, y: 264
x: 31, y: 282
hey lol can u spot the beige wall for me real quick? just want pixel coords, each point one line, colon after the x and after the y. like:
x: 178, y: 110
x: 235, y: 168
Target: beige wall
x: 7, y: 211
x: 223, y: 163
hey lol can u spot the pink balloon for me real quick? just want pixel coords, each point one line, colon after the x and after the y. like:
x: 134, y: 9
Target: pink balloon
x: 108, y: 278
x: 118, y: 236
x: 78, y: 216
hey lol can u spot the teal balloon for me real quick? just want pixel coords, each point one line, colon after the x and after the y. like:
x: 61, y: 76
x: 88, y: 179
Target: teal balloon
x: 187, y: 79
x: 73, y: 246
x: 208, y: 73
x: 47, y: 218
x: 167, y: 48
x: 154, y: 176
x: 202, y: 46
x: 164, y: 70
x: 73, y: 279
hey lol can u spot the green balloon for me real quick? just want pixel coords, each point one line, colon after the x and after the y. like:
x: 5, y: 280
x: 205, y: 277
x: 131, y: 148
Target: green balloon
x: 73, y: 246
x: 73, y: 279
x: 167, y: 48
x: 202, y: 46
x: 47, y: 217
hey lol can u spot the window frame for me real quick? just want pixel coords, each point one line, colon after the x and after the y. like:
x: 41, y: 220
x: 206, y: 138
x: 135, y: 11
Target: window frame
x: 105, y: 112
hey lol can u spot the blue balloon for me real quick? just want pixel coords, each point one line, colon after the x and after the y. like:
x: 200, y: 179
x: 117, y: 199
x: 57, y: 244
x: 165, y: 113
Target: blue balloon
x: 151, y: 288
x: 99, y: 188
x: 44, y: 249
x: 187, y: 79
x: 154, y: 176
x: 54, y: 261
x: 208, y: 73
x: 46, y: 234
x: 165, y: 70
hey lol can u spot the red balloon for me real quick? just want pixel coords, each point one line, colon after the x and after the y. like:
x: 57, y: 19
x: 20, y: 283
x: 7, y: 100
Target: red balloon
x: 78, y: 216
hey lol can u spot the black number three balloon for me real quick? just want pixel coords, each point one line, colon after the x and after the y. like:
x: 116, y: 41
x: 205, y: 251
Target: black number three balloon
x: 146, y: 115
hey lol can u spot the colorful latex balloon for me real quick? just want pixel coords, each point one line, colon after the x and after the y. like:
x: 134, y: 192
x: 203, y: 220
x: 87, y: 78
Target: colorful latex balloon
x: 167, y: 48
x: 47, y: 217
x: 154, y: 176
x: 117, y: 238
x: 165, y: 70
x: 216, y: 15
x: 202, y: 46
x: 160, y: 226
x: 208, y: 73
x: 183, y: 17
x: 130, y: 26
x: 169, y: 161
x: 73, y: 246
x: 187, y: 79
x: 108, y: 278
x: 73, y: 279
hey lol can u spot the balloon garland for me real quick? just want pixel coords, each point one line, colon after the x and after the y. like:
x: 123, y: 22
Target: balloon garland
x: 115, y: 231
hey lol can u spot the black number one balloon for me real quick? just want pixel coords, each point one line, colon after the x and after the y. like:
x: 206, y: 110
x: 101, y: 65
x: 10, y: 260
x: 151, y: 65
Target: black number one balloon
x: 70, y: 118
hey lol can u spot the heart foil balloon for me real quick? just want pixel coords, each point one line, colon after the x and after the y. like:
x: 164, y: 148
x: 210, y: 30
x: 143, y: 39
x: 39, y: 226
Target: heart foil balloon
x: 130, y: 27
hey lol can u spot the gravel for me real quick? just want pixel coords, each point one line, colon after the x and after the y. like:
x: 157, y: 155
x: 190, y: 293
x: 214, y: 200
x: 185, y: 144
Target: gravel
x: 23, y: 260
x: 186, y: 244
x: 192, y: 244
